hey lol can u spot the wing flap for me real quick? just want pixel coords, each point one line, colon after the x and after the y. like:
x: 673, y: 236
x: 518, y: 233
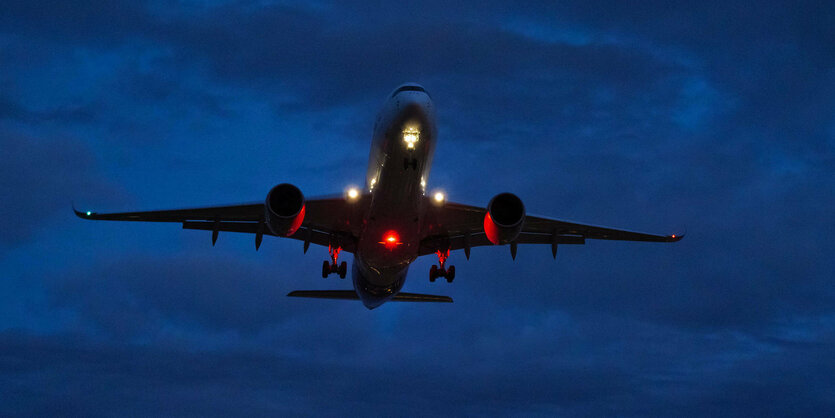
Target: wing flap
x: 313, y: 236
x: 431, y: 244
x: 246, y: 212
x: 545, y: 225
x: 328, y: 220
x: 248, y: 227
x: 456, y: 226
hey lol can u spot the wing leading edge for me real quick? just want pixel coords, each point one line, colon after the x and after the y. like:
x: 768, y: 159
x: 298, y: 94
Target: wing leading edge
x: 457, y: 226
x: 327, y: 221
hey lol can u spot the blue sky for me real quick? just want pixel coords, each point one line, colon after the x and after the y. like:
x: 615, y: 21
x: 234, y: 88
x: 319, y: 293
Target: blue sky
x: 715, y: 117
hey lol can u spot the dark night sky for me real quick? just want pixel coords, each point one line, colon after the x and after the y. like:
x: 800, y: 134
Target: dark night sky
x: 715, y: 117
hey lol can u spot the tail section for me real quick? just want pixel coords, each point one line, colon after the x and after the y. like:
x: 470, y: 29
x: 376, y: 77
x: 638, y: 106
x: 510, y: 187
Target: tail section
x: 351, y: 295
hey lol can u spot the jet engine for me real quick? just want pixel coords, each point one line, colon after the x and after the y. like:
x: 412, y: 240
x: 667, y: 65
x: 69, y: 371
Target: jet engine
x: 284, y: 209
x: 504, y: 219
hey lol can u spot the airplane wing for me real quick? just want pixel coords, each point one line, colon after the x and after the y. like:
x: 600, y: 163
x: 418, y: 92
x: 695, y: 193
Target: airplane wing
x: 327, y: 220
x: 457, y: 226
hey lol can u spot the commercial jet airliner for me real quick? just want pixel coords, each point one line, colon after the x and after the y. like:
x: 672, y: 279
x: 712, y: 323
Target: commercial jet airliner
x: 392, y: 221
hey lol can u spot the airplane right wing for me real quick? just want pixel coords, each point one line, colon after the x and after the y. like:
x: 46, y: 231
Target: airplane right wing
x: 457, y: 226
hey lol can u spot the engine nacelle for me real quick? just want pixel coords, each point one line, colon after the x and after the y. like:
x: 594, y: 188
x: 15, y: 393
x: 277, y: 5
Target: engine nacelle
x: 504, y: 219
x: 284, y: 209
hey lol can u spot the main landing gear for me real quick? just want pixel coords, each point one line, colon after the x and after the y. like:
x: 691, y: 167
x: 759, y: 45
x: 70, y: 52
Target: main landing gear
x: 441, y: 271
x: 332, y: 266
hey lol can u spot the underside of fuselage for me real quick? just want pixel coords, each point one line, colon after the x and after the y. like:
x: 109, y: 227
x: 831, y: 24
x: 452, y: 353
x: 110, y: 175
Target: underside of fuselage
x: 401, y: 155
x: 375, y: 289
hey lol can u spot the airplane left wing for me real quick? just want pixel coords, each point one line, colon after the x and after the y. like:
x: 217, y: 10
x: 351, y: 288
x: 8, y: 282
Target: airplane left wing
x: 327, y: 221
x: 457, y: 226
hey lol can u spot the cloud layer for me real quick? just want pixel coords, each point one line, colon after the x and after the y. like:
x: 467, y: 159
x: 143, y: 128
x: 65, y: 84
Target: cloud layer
x: 715, y: 117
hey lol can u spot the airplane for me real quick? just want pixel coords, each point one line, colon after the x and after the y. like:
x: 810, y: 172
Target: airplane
x: 392, y: 221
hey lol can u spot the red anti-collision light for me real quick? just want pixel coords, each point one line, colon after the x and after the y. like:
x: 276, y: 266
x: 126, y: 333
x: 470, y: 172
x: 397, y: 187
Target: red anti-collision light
x: 391, y: 240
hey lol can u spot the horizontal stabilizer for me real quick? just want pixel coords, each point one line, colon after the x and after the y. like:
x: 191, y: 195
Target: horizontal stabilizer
x: 417, y: 297
x: 351, y: 295
x: 325, y: 294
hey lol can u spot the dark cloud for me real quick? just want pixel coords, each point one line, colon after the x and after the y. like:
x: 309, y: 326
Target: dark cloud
x: 81, y: 114
x: 142, y: 295
x: 72, y: 374
x: 39, y: 177
x: 717, y: 117
x: 91, y: 23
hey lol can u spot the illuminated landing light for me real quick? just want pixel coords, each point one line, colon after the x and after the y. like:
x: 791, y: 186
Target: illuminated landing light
x: 353, y: 193
x: 391, y: 240
x: 439, y: 197
x: 373, y: 182
x: 411, y: 135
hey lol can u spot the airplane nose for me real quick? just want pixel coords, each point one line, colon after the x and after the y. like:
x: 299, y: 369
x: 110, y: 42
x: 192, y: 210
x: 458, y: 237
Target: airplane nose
x: 409, y: 87
x: 413, y: 107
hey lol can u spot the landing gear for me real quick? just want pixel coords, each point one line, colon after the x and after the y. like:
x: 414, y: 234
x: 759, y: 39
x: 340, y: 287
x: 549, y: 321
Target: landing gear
x: 441, y: 271
x: 333, y: 266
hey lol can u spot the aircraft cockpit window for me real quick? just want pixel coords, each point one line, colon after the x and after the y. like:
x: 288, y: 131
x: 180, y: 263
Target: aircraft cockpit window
x: 408, y: 88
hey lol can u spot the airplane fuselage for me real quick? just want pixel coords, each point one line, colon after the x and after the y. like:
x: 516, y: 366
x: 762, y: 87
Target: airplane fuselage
x: 401, y: 155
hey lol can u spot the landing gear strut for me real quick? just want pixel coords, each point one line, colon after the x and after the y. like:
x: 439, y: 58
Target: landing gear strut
x: 441, y: 271
x: 333, y: 266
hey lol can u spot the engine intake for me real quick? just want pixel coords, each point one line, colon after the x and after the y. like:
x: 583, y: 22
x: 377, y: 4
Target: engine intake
x: 504, y: 219
x: 284, y: 209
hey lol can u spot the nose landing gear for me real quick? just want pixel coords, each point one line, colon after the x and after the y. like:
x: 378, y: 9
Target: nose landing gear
x: 333, y: 267
x: 441, y: 271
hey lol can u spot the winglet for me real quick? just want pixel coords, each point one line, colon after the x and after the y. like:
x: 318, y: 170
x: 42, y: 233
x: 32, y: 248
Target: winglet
x: 677, y: 237
x: 82, y: 215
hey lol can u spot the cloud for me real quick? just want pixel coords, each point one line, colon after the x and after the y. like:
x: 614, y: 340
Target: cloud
x: 143, y: 295
x: 69, y: 373
x: 39, y: 177
x: 717, y: 117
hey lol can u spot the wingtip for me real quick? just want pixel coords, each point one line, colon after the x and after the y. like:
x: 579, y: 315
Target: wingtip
x: 81, y: 214
x: 678, y: 237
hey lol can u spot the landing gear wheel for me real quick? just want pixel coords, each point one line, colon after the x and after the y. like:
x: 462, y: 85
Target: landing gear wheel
x: 333, y: 266
x: 441, y: 271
